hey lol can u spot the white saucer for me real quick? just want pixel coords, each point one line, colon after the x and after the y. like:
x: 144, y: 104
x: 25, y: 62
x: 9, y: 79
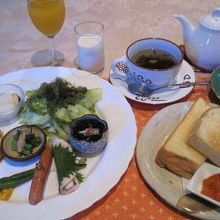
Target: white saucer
x: 186, y: 73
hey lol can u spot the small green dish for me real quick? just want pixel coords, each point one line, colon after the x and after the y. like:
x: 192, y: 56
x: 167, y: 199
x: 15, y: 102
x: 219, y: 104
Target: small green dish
x: 8, y: 146
x: 215, y: 81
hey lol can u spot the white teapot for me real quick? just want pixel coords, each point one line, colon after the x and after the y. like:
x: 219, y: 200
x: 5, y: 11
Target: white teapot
x: 202, y: 42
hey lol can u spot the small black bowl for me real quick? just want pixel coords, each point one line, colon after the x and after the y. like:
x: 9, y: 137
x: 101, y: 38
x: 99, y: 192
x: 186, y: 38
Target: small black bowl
x: 6, y: 143
x: 88, y: 134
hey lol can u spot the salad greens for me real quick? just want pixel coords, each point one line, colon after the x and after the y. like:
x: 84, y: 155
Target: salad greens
x: 57, y: 103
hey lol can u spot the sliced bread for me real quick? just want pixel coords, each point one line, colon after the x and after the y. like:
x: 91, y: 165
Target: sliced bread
x: 206, y: 135
x: 175, y: 154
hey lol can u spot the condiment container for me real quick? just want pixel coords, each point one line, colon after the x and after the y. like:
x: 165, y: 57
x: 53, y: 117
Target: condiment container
x: 195, y: 184
x: 11, y: 101
x: 13, y: 143
x: 88, y: 134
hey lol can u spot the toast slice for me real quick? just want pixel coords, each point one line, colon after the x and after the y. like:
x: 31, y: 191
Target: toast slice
x: 206, y: 135
x: 175, y: 154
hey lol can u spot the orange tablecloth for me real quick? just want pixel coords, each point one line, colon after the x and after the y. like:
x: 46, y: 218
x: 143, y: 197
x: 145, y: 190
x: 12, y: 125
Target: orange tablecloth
x: 132, y: 198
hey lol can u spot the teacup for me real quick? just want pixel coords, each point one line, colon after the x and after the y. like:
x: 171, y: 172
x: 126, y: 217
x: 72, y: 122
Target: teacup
x: 155, y: 61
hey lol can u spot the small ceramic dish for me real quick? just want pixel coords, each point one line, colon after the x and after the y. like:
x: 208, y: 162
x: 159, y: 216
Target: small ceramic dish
x: 195, y: 185
x: 88, y: 134
x: 11, y: 101
x: 23, y: 142
x: 215, y: 81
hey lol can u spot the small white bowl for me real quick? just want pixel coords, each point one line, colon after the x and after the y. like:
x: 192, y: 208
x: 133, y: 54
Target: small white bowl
x: 10, y: 89
x: 195, y: 184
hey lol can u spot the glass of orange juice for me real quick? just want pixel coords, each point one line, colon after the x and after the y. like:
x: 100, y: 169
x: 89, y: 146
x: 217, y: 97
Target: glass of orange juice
x: 48, y: 17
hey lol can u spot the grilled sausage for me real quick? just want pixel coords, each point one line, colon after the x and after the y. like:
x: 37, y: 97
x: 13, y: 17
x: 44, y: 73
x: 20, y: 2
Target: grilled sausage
x: 40, y: 176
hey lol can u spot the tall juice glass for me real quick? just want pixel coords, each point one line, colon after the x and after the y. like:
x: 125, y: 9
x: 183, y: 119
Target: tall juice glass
x: 48, y: 17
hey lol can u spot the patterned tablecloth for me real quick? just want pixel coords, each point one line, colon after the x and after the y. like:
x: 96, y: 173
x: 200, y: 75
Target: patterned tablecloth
x: 22, y: 46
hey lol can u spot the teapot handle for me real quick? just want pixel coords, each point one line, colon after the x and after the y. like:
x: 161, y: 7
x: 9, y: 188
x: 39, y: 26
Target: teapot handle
x: 216, y: 12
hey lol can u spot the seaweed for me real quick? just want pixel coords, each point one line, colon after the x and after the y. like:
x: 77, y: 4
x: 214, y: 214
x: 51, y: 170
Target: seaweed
x: 51, y: 96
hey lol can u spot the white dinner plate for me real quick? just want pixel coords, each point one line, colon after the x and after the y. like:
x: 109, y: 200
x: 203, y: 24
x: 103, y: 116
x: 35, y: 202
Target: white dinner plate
x: 166, y: 184
x: 113, y: 161
x: 186, y: 73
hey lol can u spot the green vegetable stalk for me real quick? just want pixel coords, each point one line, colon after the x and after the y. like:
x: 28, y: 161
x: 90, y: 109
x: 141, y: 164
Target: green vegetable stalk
x: 16, y: 179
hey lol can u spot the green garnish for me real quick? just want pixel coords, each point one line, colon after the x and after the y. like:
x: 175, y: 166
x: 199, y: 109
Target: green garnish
x: 26, y: 146
x: 67, y: 163
x: 32, y: 140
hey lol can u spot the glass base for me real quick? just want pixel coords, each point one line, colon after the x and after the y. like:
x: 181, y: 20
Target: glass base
x: 76, y: 64
x: 44, y: 58
x: 56, y: 62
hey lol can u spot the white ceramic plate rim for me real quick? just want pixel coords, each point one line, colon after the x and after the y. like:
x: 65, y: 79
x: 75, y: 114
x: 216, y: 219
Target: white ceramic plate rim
x: 113, y: 161
x: 162, y: 181
x: 186, y: 73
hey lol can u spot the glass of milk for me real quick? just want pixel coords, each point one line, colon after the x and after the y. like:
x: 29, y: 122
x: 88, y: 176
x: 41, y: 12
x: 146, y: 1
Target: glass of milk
x: 90, y: 46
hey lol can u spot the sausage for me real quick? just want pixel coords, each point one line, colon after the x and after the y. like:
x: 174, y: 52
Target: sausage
x: 40, y: 176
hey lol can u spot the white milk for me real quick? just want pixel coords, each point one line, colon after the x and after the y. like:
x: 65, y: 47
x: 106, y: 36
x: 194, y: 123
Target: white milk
x: 91, y: 53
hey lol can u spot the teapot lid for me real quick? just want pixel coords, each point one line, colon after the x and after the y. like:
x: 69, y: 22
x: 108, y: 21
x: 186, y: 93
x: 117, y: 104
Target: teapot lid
x: 212, y: 21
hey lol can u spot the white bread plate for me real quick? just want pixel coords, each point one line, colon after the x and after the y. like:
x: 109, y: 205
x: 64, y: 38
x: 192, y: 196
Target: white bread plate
x: 195, y: 184
x: 161, y: 181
